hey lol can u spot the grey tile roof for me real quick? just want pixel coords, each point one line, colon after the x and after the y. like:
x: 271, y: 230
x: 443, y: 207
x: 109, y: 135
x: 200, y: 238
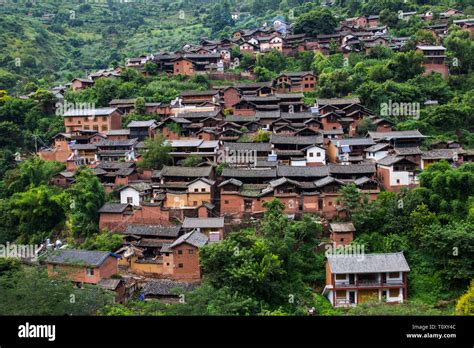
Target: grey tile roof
x: 442, y: 153
x: 342, y: 227
x: 142, y: 124
x: 90, y: 112
x: 118, y: 132
x: 153, y: 230
x: 113, y: 208
x: 368, y: 263
x: 231, y: 181
x: 165, y: 287
x: 194, y: 172
x: 197, y: 114
x: 389, y: 160
x: 396, y: 135
x: 82, y: 257
x: 109, y: 284
x: 300, y: 140
x: 203, y: 222
x: 299, y: 172
x: 354, y: 141
x: 327, y: 180
x: 377, y: 147
x: 248, y: 173
x: 337, y: 101
x: 260, y: 147
x: 194, y: 238
x: 352, y: 168
x: 115, y: 165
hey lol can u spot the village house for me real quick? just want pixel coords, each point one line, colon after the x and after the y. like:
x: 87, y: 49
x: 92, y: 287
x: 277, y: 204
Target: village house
x: 117, y: 150
x: 82, y: 266
x: 454, y: 156
x: 349, y: 150
x: 342, y: 233
x: 101, y: 119
x: 395, y: 172
x: 143, y: 244
x: 355, y: 279
x: 212, y: 227
x: 166, y: 290
x: 79, y: 84
x: 181, y: 258
x: 142, y: 130
x: 303, y: 81
x: 135, y: 193
x: 434, y: 59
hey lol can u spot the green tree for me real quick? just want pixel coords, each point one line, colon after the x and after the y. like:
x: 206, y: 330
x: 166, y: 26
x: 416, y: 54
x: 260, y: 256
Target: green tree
x: 85, y: 197
x: 315, y: 22
x: 156, y: 154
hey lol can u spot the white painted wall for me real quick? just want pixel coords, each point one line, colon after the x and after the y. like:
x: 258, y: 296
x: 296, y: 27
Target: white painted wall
x: 130, y: 192
x: 199, y: 185
x: 315, y: 158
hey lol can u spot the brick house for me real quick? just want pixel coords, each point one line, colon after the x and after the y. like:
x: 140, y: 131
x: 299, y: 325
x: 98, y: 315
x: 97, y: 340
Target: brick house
x: 303, y: 81
x: 79, y: 84
x: 181, y: 258
x: 213, y: 227
x: 342, y: 233
x: 101, y: 120
x: 395, y: 172
x: 354, y: 279
x: 435, y: 57
x: 82, y: 266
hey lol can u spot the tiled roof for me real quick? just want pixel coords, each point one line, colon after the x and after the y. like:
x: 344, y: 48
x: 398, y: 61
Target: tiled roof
x: 352, y: 168
x: 368, y: 263
x: 186, y: 171
x: 194, y: 238
x: 90, y: 112
x: 395, y: 135
x: 153, y: 230
x: 342, y: 227
x: 248, y: 173
x: 354, y: 142
x: 309, y: 171
x: 113, y: 208
x: 442, y: 153
x: 261, y: 147
x: 300, y: 140
x: 203, y: 222
x: 82, y: 257
x: 337, y: 101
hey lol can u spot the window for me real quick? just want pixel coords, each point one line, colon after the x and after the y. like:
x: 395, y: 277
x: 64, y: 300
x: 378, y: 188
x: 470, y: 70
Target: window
x: 180, y: 252
x: 190, y: 251
x: 341, y: 294
x: 226, y: 202
x: 96, y: 127
x: 393, y: 292
x: 311, y: 154
x: 394, y: 275
x: 55, y: 268
x: 203, y: 190
x: 180, y: 265
x: 90, y: 272
x: 104, y: 127
x: 398, y: 181
x: 196, y: 190
x: 104, y: 118
x: 340, y: 277
x: 167, y: 264
x: 318, y: 154
x: 195, y: 203
x: 129, y: 200
x: 330, y: 203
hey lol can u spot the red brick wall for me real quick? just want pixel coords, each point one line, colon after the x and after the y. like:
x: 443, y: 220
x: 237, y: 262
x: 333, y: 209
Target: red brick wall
x: 79, y: 273
x: 231, y: 97
x: 190, y: 269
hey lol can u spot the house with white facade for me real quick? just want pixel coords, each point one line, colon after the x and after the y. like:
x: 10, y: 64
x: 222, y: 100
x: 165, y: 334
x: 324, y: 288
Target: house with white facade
x: 353, y: 279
